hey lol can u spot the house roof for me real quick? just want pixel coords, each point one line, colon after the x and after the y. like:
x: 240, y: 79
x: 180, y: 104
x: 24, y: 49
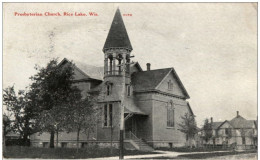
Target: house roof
x: 149, y: 80
x: 240, y: 122
x: 132, y: 108
x: 90, y: 72
x: 12, y: 134
x: 237, y: 122
x: 137, y: 65
x: 117, y: 36
x: 188, y: 104
x: 215, y: 125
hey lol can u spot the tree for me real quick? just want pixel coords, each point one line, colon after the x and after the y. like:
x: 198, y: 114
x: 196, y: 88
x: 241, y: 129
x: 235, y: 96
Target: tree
x: 7, y: 127
x: 82, y: 117
x: 207, y: 129
x: 54, y: 94
x: 23, y: 112
x: 189, y: 127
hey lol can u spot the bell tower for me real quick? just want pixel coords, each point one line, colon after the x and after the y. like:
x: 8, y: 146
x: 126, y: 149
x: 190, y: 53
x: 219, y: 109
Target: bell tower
x: 117, y: 50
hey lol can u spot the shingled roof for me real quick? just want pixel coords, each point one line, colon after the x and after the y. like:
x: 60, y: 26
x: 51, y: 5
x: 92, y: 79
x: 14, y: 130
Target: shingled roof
x: 148, y: 80
x: 89, y: 71
x: 117, y: 36
x: 215, y: 125
x: 240, y: 122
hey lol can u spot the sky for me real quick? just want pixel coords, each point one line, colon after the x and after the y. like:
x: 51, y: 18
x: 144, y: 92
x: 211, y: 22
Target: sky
x: 212, y: 46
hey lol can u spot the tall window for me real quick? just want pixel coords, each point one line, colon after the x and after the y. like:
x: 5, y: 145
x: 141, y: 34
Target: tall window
x: 170, y: 115
x: 109, y: 89
x: 170, y: 85
x: 243, y: 140
x: 128, y: 90
x: 108, y: 115
x: 226, y: 131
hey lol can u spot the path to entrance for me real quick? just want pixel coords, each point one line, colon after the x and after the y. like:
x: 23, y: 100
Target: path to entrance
x: 168, y: 154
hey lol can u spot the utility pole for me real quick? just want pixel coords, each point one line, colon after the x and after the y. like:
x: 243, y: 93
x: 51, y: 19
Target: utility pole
x: 122, y: 121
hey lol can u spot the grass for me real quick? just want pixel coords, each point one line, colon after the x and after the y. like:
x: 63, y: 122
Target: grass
x: 206, y: 155
x: 67, y: 153
x: 185, y: 149
x: 209, y: 155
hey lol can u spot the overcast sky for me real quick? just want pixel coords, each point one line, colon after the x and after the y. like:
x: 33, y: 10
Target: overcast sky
x: 212, y: 46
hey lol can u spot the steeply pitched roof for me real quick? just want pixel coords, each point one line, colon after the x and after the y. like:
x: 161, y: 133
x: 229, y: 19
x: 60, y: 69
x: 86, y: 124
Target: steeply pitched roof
x: 147, y: 80
x: 240, y: 122
x: 117, y: 36
x: 215, y: 125
x: 89, y: 71
x: 137, y: 65
x: 131, y: 107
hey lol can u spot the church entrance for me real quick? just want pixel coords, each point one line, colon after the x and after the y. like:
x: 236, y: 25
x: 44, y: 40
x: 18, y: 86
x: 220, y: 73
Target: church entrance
x: 130, y: 127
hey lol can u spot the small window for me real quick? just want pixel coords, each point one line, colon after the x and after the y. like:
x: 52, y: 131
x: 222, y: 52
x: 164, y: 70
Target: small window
x: 170, y: 85
x: 128, y: 90
x: 45, y: 144
x: 170, y: 145
x: 84, y: 144
x: 226, y: 131
x: 109, y: 89
x: 243, y: 140
x: 64, y: 144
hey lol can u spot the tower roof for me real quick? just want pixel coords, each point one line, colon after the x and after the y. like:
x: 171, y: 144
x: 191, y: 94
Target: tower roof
x: 117, y: 36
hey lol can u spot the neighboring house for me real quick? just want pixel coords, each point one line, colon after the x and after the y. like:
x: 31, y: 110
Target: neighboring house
x: 154, y: 101
x: 12, y: 135
x: 238, y: 132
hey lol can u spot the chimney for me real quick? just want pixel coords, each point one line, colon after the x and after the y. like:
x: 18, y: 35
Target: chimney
x: 211, y: 119
x: 237, y: 113
x: 148, y: 65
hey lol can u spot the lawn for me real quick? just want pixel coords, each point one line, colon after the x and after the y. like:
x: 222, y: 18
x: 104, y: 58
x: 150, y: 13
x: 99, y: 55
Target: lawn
x: 206, y: 155
x: 185, y: 149
x: 64, y: 153
x: 209, y: 155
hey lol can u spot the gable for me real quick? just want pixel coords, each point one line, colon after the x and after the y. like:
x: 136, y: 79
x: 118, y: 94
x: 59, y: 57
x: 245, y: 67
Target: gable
x: 148, y: 80
x: 177, y: 87
x: 135, y: 68
x: 78, y: 74
x: 225, y: 124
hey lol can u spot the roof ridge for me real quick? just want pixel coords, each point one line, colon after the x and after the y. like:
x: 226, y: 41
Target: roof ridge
x: 157, y: 69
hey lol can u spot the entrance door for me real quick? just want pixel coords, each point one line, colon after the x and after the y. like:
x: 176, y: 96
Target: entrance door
x: 130, y: 125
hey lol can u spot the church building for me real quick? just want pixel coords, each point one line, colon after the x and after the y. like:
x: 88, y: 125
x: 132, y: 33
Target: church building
x: 154, y: 100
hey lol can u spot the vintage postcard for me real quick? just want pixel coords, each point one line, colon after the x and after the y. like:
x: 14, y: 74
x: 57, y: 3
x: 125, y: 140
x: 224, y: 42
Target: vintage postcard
x: 130, y: 80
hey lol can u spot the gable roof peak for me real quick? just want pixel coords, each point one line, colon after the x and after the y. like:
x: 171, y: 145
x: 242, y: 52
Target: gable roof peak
x: 117, y: 36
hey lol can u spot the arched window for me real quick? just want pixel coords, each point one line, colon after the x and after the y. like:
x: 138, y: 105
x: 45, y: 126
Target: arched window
x: 170, y: 114
x: 119, y: 64
x: 127, y: 64
x: 110, y: 65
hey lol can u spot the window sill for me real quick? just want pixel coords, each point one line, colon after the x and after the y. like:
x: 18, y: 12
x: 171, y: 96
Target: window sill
x: 170, y: 127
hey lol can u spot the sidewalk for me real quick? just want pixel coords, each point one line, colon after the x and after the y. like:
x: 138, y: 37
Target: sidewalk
x: 167, y: 154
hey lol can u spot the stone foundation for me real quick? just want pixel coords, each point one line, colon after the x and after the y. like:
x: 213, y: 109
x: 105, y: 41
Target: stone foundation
x: 73, y: 144
x: 165, y: 144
